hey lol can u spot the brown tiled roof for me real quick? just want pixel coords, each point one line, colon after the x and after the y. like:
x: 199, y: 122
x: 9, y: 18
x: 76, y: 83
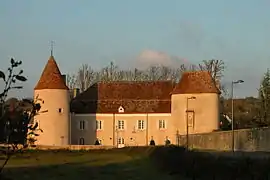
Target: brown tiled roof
x: 196, y: 82
x: 120, y: 90
x: 51, y: 77
x: 134, y: 97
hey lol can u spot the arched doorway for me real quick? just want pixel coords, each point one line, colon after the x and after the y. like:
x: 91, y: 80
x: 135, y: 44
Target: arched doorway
x: 81, y: 141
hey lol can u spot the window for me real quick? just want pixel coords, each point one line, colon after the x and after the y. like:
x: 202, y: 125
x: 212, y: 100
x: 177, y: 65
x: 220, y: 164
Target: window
x: 81, y: 141
x: 190, y: 116
x: 98, y: 125
x: 121, y: 124
x: 82, y: 125
x: 162, y: 124
x: 121, y: 109
x: 140, y: 125
x: 121, y: 140
x: 60, y: 110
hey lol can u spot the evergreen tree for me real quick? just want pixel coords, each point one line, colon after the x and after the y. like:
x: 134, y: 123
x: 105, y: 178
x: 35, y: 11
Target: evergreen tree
x: 264, y: 96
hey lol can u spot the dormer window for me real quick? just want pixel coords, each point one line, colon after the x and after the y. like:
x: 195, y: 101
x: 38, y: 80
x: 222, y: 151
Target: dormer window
x: 121, y: 109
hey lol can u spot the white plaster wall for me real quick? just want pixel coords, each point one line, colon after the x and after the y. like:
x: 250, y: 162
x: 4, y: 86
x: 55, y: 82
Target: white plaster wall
x: 55, y: 125
x: 206, y: 108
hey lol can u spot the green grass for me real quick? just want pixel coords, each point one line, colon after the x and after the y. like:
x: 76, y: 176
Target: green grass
x: 110, y: 164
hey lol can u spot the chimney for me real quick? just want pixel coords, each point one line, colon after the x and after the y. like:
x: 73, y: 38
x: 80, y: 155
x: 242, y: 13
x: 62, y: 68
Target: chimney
x: 76, y: 92
x: 64, y: 78
x: 218, y: 84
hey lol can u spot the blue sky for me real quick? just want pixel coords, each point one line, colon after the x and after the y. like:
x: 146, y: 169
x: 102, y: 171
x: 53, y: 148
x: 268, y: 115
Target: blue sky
x: 98, y: 31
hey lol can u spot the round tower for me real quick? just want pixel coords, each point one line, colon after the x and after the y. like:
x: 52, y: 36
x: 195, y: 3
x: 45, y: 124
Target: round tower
x: 53, y: 96
x: 195, y: 103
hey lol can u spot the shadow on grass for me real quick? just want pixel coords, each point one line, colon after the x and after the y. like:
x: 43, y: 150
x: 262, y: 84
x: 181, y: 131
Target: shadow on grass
x: 144, y: 163
x: 213, y: 165
x: 132, y: 169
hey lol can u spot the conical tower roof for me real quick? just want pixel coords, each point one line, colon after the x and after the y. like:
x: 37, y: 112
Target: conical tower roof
x: 51, y: 77
x: 196, y: 82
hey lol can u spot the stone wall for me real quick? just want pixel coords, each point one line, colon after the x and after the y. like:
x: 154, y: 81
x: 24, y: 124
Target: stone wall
x: 245, y: 140
x: 73, y: 147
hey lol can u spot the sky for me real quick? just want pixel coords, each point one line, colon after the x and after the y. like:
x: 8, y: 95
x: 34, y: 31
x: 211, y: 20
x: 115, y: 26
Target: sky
x: 98, y: 31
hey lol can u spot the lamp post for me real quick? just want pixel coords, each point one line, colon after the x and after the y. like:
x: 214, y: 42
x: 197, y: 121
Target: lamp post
x: 233, y: 83
x: 187, y: 143
x: 116, y: 129
x: 177, y: 138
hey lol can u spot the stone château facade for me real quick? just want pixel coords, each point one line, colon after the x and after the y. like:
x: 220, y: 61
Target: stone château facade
x: 125, y: 113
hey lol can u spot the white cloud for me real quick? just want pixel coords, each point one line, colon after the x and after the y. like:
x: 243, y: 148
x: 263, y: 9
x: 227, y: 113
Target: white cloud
x: 152, y: 57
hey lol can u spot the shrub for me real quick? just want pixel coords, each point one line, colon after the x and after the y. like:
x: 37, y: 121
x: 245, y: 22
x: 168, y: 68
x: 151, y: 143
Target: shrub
x: 15, y: 116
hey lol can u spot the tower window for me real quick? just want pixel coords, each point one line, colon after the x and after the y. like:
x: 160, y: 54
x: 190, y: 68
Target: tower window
x: 99, y: 125
x: 60, y: 110
x: 82, y: 125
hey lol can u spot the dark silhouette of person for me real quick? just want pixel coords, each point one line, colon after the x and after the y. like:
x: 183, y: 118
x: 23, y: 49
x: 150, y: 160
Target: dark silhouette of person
x: 167, y: 141
x: 97, y: 142
x: 152, y: 142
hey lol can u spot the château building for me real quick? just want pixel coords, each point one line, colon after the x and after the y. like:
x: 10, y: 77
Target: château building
x: 125, y: 113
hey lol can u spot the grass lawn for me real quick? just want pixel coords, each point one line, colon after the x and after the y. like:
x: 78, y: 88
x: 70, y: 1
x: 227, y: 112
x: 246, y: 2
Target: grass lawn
x: 82, y: 165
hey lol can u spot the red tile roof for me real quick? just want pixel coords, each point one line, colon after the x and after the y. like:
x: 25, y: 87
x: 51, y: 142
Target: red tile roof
x: 118, y: 90
x: 134, y: 97
x: 196, y: 82
x: 140, y: 97
x: 51, y: 77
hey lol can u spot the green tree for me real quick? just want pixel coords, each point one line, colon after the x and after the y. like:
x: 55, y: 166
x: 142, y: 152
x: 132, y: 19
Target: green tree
x: 264, y: 96
x: 16, y: 117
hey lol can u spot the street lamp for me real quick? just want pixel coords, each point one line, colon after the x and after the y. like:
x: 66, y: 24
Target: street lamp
x: 188, y: 98
x: 117, y: 136
x: 233, y: 83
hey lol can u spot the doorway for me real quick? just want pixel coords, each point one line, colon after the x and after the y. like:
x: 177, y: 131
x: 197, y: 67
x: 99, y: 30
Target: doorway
x: 121, y: 142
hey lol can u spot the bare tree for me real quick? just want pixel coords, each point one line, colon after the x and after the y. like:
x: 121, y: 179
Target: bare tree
x: 215, y: 67
x: 85, y: 77
x: 137, y: 75
x: 175, y: 74
x: 165, y: 73
x: 153, y: 73
x: 113, y: 72
x: 185, y: 68
x: 71, y: 81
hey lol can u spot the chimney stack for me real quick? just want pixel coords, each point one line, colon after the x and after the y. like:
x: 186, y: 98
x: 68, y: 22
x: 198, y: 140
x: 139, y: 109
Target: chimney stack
x: 76, y: 92
x: 64, y: 78
x: 218, y: 84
